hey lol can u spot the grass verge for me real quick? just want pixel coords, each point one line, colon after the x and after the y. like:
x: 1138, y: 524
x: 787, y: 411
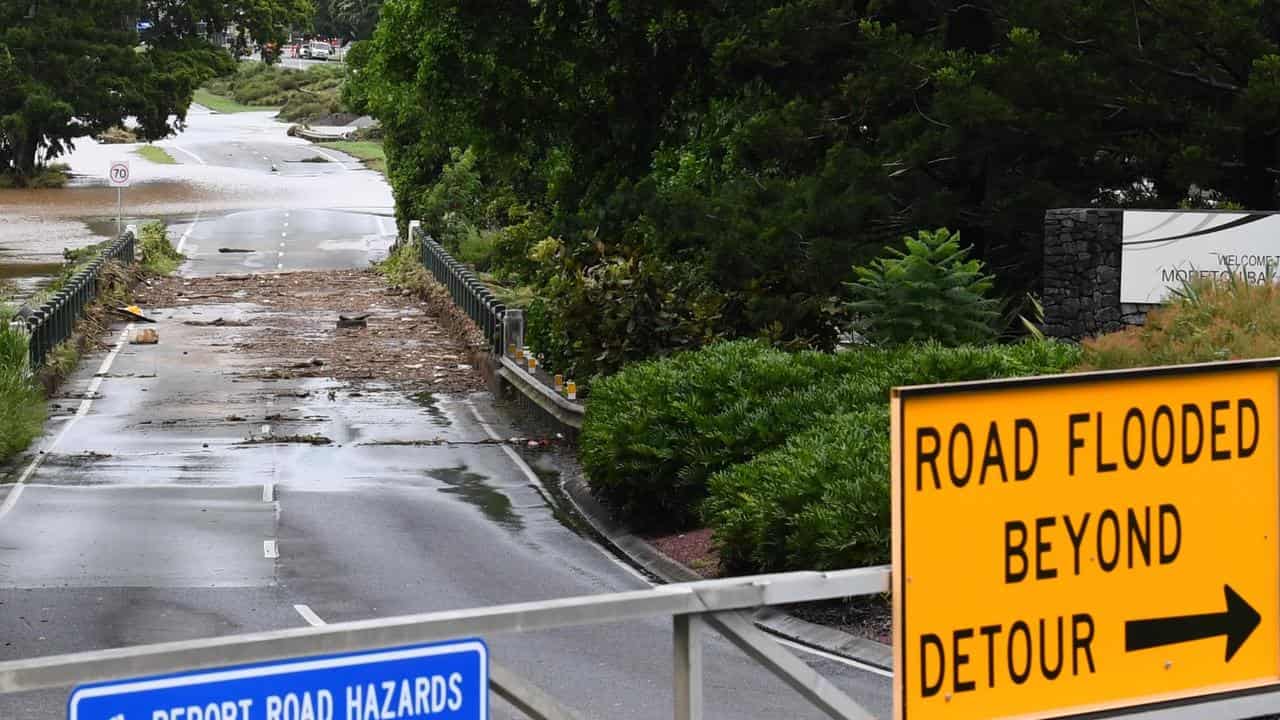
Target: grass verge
x: 300, y: 95
x: 223, y: 104
x: 370, y: 153
x: 157, y: 155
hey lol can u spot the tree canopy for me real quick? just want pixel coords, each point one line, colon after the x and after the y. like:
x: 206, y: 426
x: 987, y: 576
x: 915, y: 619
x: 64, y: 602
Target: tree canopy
x: 70, y: 69
x: 759, y: 149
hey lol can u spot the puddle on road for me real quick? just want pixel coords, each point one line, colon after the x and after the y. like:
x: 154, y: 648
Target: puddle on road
x: 431, y: 403
x: 473, y: 490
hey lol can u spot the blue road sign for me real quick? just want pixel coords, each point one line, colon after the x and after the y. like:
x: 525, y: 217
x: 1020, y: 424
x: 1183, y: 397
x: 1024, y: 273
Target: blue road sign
x: 442, y: 681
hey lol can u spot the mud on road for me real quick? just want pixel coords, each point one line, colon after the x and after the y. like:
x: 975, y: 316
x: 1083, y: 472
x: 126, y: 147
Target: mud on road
x: 289, y: 321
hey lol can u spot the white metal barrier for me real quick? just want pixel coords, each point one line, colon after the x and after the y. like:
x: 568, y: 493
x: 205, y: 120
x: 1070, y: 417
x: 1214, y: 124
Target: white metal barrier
x: 718, y: 604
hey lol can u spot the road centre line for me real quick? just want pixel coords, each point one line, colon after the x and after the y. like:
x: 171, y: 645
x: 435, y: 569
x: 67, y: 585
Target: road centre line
x: 85, y: 404
x: 310, y: 615
x: 270, y: 549
x: 268, y: 492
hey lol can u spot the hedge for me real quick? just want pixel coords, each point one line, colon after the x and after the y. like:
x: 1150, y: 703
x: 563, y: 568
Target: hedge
x: 783, y: 454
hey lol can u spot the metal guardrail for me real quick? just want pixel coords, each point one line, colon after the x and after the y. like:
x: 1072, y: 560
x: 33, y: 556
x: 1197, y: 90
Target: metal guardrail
x: 694, y: 608
x: 55, y: 320
x: 469, y: 294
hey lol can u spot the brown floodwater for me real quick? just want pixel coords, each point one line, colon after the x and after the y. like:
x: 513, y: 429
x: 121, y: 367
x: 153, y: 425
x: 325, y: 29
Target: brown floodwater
x: 227, y: 163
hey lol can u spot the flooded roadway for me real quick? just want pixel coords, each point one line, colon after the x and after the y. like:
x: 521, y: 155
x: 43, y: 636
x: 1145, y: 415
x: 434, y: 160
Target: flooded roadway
x: 224, y: 168
x: 152, y: 509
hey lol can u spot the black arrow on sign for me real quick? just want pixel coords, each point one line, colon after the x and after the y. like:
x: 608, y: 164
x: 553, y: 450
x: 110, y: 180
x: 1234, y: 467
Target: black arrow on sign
x: 1237, y: 623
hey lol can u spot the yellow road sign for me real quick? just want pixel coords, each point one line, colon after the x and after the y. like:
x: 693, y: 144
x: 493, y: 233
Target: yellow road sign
x: 1073, y: 543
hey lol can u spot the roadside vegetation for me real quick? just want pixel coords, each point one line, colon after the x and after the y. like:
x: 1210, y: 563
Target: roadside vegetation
x: 218, y: 103
x: 156, y: 155
x: 22, y: 406
x: 302, y: 96
x: 371, y: 153
x: 157, y: 254
x: 54, y: 175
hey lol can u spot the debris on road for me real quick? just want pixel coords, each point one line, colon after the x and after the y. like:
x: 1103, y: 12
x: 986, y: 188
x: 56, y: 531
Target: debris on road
x: 134, y: 312
x: 145, y: 336
x: 235, y: 250
x: 220, y: 322
x: 285, y: 318
x: 353, y: 321
x: 287, y: 440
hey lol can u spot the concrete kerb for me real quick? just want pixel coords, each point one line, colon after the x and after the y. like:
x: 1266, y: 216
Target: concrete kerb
x: 669, y: 570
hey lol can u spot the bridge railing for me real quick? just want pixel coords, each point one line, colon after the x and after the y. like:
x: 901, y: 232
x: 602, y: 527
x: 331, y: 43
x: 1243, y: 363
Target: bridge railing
x: 55, y: 320
x: 466, y: 289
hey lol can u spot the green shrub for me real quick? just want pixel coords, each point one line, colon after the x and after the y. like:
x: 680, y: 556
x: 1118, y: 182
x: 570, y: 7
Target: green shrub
x: 657, y: 432
x: 22, y: 408
x: 930, y: 292
x: 404, y: 269
x: 821, y: 501
x: 157, y: 254
x: 1207, y: 320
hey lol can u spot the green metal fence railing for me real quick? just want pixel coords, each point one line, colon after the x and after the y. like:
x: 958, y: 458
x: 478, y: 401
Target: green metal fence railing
x: 55, y: 320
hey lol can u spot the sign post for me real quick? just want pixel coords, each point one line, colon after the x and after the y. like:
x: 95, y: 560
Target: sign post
x: 448, y: 680
x: 118, y: 177
x: 1085, y: 542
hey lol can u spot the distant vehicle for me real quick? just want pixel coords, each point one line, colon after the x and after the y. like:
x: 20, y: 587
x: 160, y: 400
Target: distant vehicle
x: 316, y: 51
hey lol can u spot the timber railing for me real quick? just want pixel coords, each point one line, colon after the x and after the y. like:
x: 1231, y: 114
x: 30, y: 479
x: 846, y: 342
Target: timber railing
x: 55, y: 320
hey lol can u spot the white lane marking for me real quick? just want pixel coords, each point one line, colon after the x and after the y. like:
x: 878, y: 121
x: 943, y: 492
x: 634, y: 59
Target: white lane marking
x: 268, y: 492
x: 284, y: 234
x: 850, y: 662
x: 280, y: 266
x: 331, y: 158
x: 16, y: 492
x: 281, y: 244
x: 181, y: 149
x: 183, y: 241
x: 280, y: 254
x: 310, y: 615
x: 270, y: 550
x: 536, y: 481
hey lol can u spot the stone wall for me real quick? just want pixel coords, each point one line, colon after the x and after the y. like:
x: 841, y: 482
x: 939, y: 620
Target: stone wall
x: 1081, y: 292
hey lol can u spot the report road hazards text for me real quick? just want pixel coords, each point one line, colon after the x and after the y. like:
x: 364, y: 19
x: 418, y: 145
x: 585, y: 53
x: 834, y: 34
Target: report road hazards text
x: 1082, y: 542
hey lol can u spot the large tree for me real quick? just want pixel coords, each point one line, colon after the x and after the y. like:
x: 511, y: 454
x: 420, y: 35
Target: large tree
x: 770, y: 144
x: 70, y: 68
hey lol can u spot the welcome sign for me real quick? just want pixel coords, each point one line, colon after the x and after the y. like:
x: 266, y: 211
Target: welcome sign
x: 1163, y: 250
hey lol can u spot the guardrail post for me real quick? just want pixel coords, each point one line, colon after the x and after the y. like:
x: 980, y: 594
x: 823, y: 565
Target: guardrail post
x: 512, y: 329
x: 688, y: 667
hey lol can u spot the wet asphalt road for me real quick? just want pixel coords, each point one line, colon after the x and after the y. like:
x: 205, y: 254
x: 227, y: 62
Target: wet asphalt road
x: 153, y: 516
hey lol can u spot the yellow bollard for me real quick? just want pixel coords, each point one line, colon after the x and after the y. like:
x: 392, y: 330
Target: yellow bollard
x: 511, y: 349
x: 519, y: 353
x: 559, y: 382
x: 533, y: 363
x: 572, y: 390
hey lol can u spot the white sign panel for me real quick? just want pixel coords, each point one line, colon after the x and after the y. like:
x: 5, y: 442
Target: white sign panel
x: 119, y: 174
x: 1163, y: 250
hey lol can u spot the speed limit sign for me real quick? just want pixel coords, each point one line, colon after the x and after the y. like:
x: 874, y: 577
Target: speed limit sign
x: 119, y: 175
